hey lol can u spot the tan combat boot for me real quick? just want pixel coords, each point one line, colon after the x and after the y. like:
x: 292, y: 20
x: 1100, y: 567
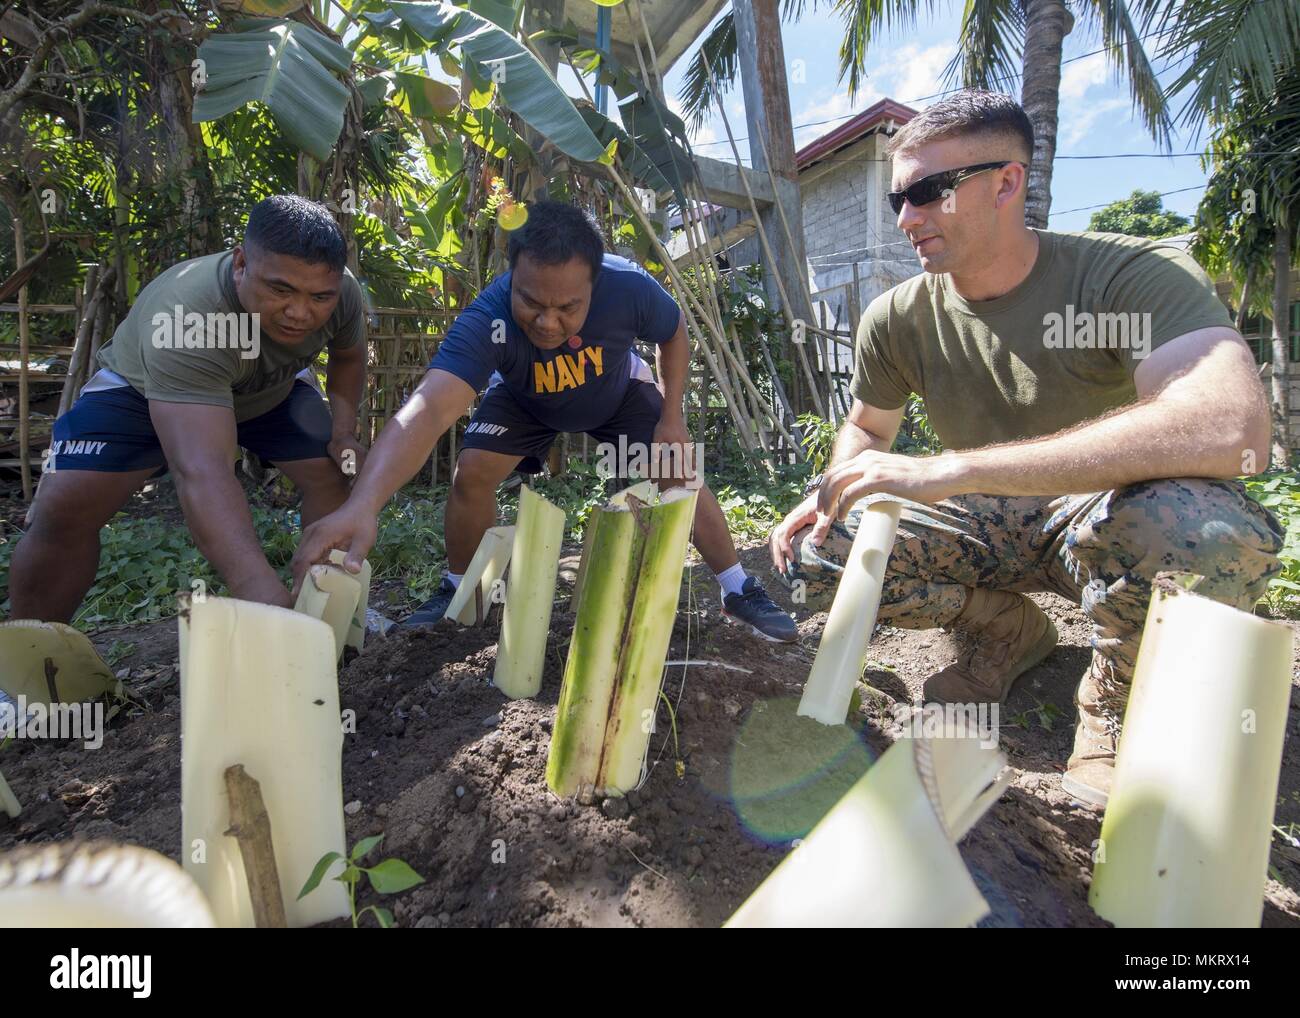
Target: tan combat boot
x: 1100, y: 698
x: 1007, y: 634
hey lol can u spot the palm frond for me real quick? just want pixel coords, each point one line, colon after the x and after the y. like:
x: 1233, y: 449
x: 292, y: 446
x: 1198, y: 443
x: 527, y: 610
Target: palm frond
x: 861, y: 20
x: 992, y: 40
x: 1225, y: 43
x: 1125, y: 53
x: 699, y: 91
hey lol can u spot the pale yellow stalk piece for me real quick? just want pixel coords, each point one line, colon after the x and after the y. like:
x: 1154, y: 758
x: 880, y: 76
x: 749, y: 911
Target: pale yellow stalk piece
x: 473, y: 598
x: 8, y: 801
x: 1185, y: 840
x: 335, y: 596
x: 843, y: 649
x: 79, y: 672
x: 259, y: 687
x: 357, y: 630
x: 885, y: 855
x: 97, y: 885
x: 530, y: 593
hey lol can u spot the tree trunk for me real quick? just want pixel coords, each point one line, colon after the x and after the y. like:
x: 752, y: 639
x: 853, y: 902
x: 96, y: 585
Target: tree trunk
x: 1047, y: 23
x: 1281, y: 346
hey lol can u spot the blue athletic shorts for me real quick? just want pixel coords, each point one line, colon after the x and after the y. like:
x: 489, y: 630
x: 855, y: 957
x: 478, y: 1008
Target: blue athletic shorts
x: 110, y: 430
x: 501, y: 425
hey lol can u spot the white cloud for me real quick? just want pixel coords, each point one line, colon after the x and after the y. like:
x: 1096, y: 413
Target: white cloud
x: 1081, y: 75
x: 912, y: 72
x: 704, y: 134
x: 1075, y: 120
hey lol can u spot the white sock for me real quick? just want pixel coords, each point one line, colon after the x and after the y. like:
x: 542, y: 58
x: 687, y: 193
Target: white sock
x: 455, y: 578
x: 732, y: 580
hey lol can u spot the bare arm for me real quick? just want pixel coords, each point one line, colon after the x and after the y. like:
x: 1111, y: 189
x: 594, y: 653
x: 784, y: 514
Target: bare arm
x: 866, y: 428
x: 1200, y: 412
x: 199, y: 443
x: 345, y: 383
x: 672, y: 361
x: 400, y: 450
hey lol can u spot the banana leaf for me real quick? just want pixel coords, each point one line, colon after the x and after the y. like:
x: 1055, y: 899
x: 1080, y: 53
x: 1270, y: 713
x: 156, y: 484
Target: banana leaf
x: 284, y: 64
x: 656, y: 133
x: 523, y: 83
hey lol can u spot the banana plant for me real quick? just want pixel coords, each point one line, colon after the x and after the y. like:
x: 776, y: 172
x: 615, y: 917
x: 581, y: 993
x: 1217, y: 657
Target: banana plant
x: 287, y: 65
x: 493, y: 54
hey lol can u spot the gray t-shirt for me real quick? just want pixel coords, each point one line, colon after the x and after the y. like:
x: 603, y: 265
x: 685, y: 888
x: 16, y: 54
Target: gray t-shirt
x: 210, y: 361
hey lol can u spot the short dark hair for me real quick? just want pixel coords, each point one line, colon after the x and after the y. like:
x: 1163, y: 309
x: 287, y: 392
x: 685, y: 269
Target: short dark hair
x: 970, y: 111
x: 556, y: 232
x: 291, y: 225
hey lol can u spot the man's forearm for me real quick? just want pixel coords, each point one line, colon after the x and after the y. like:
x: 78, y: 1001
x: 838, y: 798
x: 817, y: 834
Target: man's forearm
x: 398, y: 453
x: 222, y: 527
x: 344, y: 385
x: 852, y: 440
x: 672, y: 361
x: 1155, y: 438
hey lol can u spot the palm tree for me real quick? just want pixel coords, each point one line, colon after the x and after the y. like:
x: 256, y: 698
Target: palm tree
x: 1243, y: 69
x: 1000, y: 40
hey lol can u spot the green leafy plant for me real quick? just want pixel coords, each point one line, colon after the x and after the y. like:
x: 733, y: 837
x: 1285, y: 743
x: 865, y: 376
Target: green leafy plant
x: 1279, y: 492
x: 915, y: 436
x: 1044, y: 713
x: 818, y: 440
x: 388, y: 877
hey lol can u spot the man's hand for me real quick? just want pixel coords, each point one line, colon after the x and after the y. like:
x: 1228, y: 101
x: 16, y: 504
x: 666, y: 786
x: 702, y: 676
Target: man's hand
x: 348, y: 453
x: 264, y: 590
x: 799, y: 517
x: 351, y: 527
x: 676, y: 452
x: 926, y: 479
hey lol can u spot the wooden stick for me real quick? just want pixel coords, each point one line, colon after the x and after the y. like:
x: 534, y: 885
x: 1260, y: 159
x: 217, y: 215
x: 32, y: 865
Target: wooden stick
x: 24, y: 420
x: 250, y: 825
x: 786, y: 306
x: 82, y: 339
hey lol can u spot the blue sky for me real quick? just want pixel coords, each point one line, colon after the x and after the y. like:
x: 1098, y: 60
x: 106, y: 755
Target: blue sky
x: 906, y: 64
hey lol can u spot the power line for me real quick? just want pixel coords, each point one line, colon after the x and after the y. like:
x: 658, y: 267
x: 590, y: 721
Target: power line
x: 935, y: 95
x: 1088, y: 208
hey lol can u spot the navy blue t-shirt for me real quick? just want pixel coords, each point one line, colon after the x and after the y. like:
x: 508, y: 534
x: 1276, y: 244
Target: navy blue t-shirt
x: 579, y: 385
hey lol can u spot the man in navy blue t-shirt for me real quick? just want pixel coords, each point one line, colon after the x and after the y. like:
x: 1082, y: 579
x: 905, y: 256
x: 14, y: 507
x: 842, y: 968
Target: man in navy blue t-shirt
x: 552, y: 341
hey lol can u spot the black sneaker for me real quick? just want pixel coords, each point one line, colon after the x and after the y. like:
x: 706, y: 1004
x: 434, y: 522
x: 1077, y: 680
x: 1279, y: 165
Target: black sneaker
x: 752, y: 607
x: 433, y: 609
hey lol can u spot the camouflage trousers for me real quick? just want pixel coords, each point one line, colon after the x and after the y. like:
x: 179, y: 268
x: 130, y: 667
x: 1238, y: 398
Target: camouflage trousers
x: 1101, y: 551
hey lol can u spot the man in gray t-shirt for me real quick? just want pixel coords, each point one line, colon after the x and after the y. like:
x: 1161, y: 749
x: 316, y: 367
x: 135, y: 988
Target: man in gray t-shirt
x: 215, y: 354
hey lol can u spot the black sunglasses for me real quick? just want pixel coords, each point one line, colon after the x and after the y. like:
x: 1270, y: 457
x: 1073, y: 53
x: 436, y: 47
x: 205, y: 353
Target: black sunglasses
x: 930, y: 189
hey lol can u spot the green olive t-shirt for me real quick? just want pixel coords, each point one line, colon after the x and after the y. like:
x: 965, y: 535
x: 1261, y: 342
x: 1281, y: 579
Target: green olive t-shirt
x: 1059, y: 349
x: 168, y: 362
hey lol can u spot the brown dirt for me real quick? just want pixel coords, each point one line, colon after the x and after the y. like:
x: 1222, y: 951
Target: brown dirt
x: 453, y: 775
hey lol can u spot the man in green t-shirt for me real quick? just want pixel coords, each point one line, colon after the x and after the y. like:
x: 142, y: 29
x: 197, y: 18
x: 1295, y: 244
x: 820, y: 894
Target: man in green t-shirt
x: 214, y: 354
x: 1096, y: 406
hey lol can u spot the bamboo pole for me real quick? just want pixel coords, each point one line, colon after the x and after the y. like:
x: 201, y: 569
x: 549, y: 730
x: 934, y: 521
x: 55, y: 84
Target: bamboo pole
x: 81, y: 341
x: 24, y: 415
x: 786, y: 306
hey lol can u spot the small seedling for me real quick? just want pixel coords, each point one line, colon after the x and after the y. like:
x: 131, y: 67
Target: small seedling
x: 1046, y: 713
x: 679, y: 765
x: 388, y: 877
x: 118, y: 652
